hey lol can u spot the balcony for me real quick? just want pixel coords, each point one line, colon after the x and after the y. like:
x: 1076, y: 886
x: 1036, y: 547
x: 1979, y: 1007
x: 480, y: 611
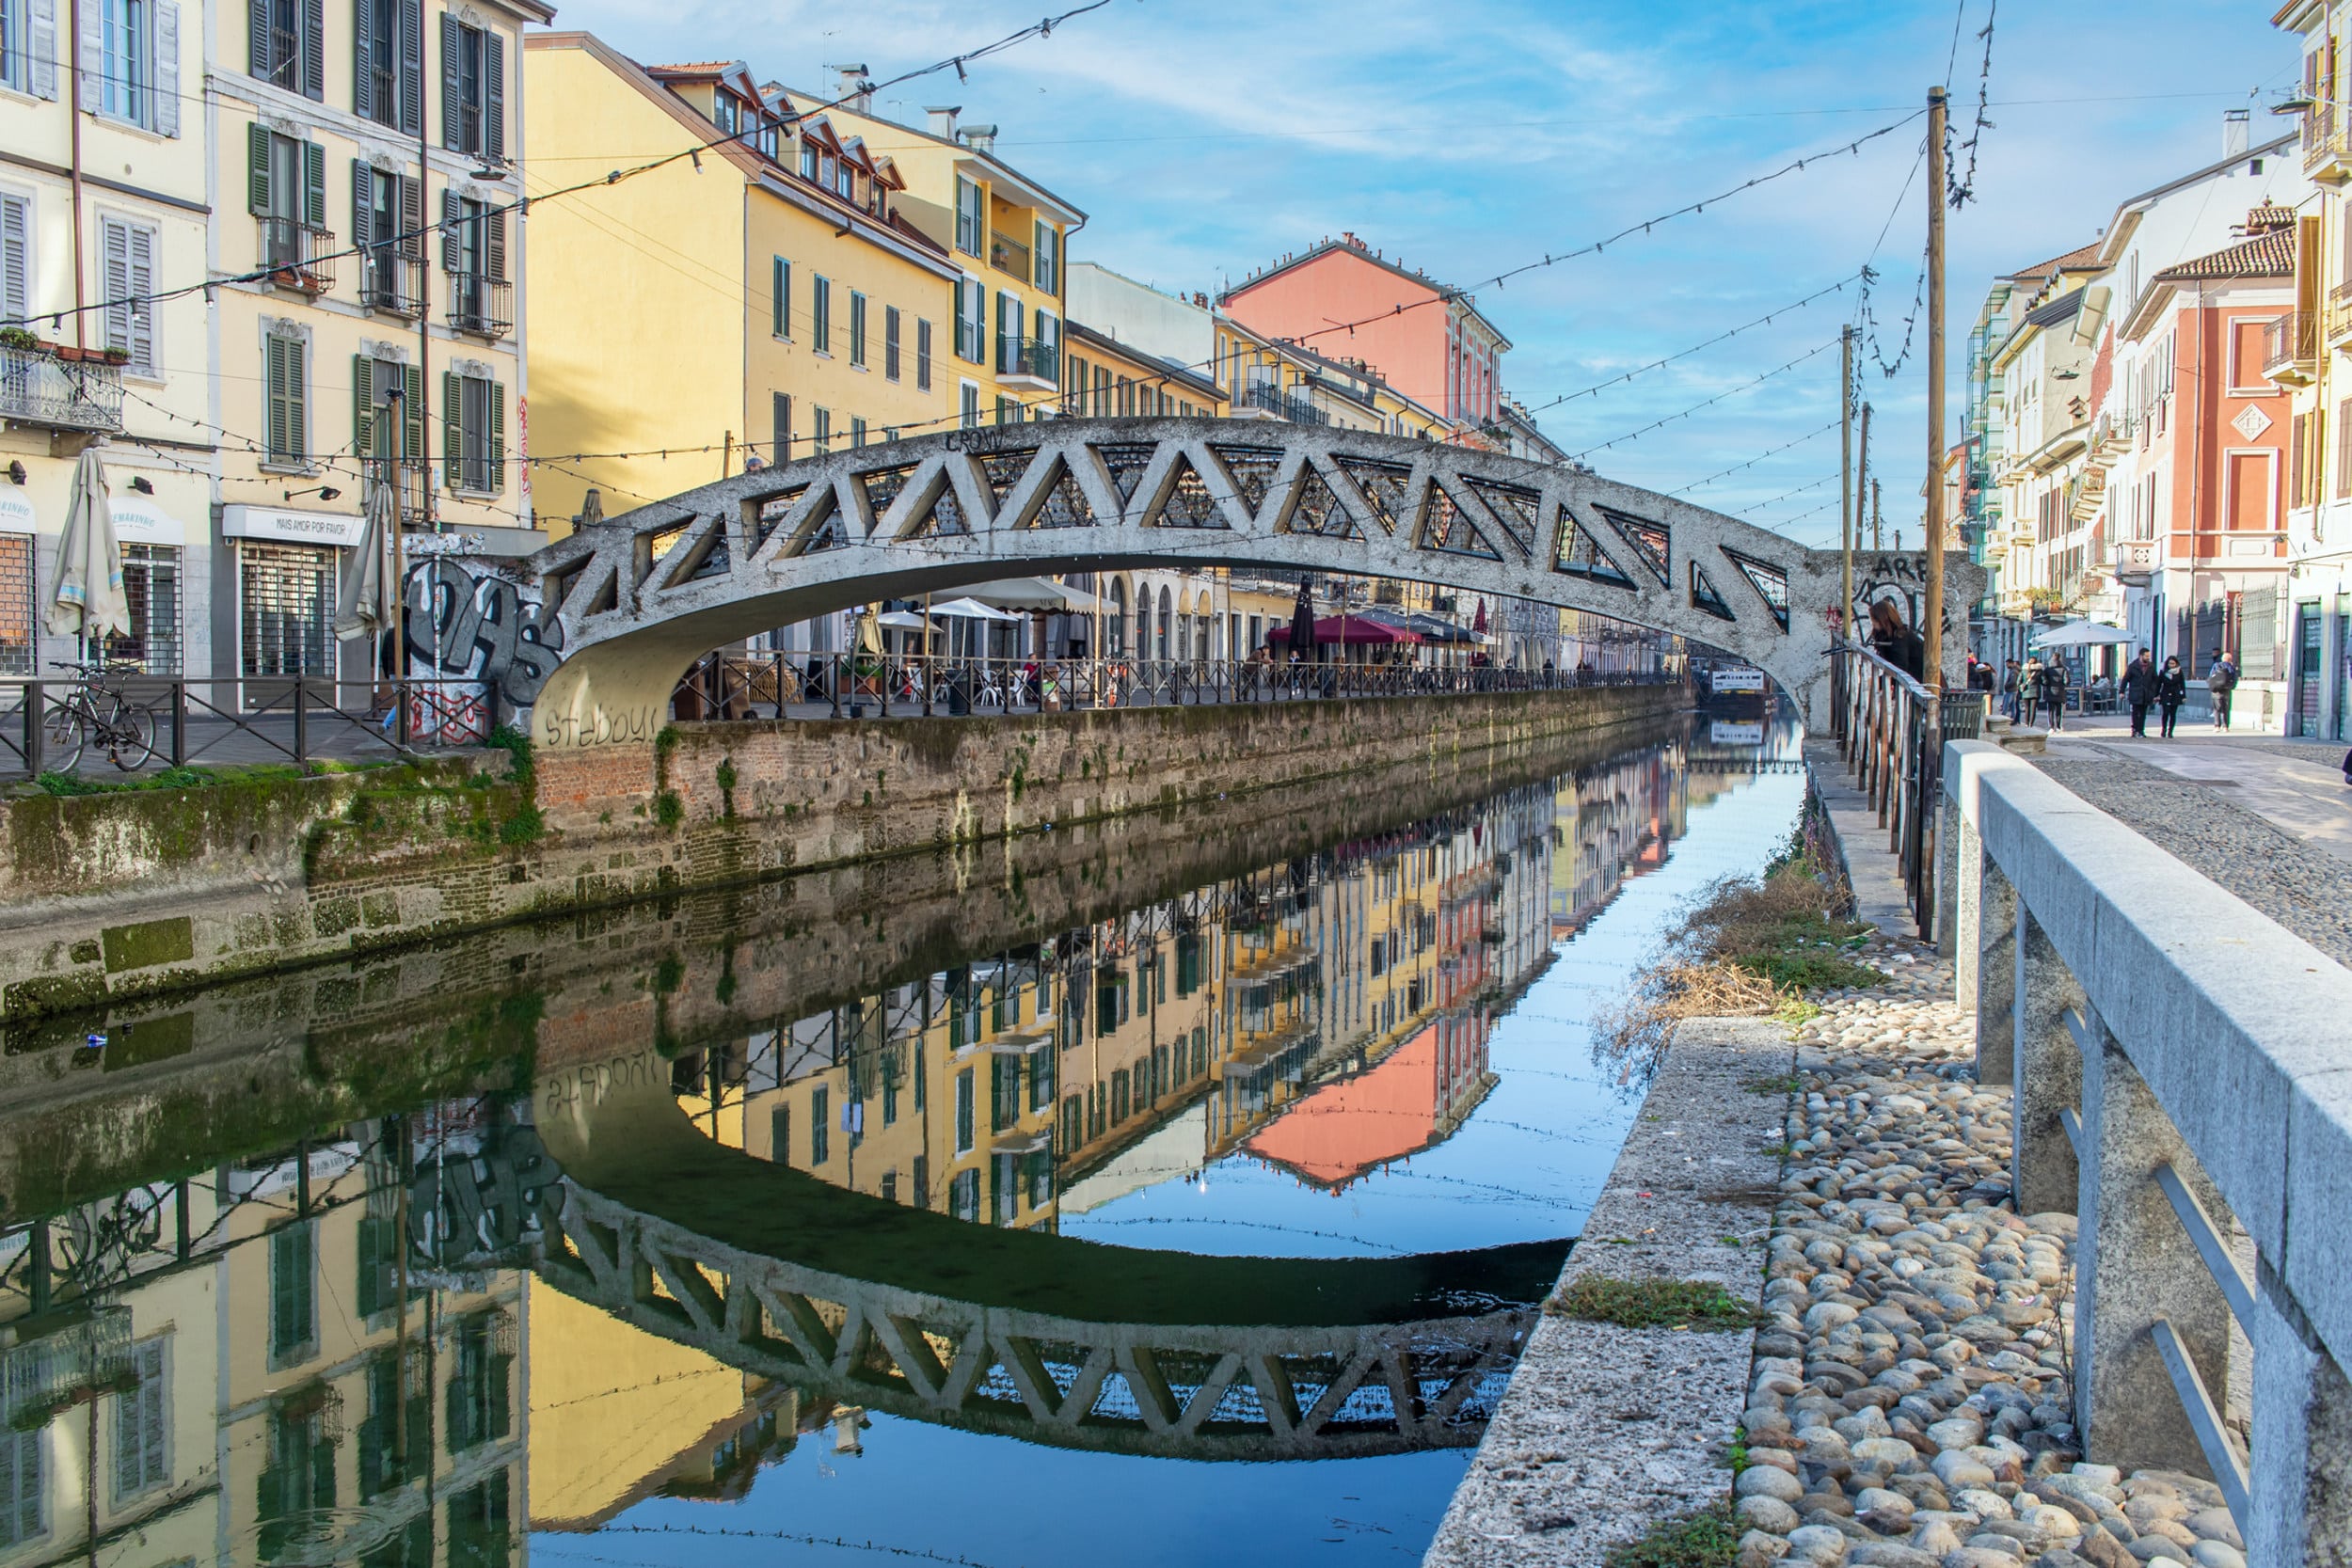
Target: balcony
x: 1034, y: 358
x: 2327, y: 147
x: 295, y: 255
x: 2291, y: 348
x: 392, y: 282
x: 1284, y: 406
x: 44, y: 386
x: 1010, y: 256
x: 480, y: 304
x: 2135, y: 562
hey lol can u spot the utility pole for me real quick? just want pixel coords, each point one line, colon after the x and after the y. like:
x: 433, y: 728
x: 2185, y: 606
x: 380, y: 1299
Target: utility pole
x: 1878, y: 519
x: 1933, y: 630
x: 1862, y: 473
x: 1849, y: 519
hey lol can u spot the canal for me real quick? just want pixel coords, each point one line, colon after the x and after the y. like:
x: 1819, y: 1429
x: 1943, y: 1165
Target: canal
x: 1204, y: 1228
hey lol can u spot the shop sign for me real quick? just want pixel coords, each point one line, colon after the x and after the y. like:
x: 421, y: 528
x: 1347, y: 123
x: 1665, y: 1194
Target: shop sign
x: 139, y: 521
x: 16, y: 511
x: 338, y: 529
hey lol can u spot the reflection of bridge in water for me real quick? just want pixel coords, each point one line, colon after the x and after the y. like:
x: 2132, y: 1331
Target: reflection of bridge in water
x: 1013, y: 1331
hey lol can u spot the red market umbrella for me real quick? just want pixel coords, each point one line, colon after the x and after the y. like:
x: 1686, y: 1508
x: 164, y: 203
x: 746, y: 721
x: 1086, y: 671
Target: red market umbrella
x: 1349, y: 630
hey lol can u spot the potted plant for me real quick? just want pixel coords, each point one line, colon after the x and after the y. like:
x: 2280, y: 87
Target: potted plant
x: 19, y: 339
x: 116, y: 356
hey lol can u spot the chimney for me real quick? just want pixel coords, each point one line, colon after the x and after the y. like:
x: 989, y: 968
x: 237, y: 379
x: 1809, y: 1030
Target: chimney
x: 2234, y: 130
x: 942, y: 119
x: 848, y: 89
x: 1349, y: 235
x: 979, y: 138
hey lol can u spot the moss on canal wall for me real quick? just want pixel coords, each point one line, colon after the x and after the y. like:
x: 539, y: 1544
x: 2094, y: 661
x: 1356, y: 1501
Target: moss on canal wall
x: 108, y: 896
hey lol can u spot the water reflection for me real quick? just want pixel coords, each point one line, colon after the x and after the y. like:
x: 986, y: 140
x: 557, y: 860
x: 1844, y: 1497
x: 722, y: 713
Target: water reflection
x: 840, y: 1267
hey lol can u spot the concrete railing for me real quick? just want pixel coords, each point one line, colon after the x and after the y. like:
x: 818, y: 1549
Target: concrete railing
x: 2182, y: 1068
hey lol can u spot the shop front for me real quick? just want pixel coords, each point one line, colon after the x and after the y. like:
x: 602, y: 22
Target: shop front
x: 18, y: 651
x: 281, y: 567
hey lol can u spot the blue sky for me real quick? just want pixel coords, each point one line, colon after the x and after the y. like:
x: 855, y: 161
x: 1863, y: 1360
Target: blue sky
x: 1204, y: 138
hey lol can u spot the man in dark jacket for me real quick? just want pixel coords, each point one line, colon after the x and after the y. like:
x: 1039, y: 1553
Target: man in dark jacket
x: 2139, y: 690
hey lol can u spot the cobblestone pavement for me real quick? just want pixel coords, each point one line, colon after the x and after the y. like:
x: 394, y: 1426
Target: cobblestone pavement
x: 1911, y: 1398
x: 2303, y: 888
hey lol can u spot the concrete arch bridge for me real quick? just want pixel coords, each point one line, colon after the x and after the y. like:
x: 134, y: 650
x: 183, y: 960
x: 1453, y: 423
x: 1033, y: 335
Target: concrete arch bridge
x: 636, y: 599
x: 1048, y: 1338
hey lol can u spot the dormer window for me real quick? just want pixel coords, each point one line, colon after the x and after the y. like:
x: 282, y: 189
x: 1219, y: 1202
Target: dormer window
x: 844, y: 181
x: 808, y: 162
x: 827, y: 170
x: 723, y: 113
x: 770, y: 136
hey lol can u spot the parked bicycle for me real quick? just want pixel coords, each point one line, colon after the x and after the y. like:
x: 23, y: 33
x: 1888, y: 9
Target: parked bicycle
x: 95, y: 709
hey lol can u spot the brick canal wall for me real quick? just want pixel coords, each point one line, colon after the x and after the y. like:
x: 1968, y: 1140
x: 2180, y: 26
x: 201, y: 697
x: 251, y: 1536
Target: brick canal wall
x: 117, y: 895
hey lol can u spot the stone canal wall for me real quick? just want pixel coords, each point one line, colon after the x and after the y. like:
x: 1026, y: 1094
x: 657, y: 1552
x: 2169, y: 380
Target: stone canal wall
x: 117, y: 895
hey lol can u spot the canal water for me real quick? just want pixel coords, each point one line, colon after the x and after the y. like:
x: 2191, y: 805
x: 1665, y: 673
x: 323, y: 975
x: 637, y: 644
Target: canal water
x: 1205, y: 1230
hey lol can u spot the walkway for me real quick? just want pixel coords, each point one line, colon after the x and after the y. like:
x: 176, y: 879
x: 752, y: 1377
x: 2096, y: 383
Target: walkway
x: 2267, y: 818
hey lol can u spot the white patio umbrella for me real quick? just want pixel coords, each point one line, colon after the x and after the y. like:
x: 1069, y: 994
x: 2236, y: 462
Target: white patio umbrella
x: 901, y: 620
x: 367, y: 600
x: 88, y: 602
x: 970, y: 610
x: 2081, y: 633
x: 1022, y: 593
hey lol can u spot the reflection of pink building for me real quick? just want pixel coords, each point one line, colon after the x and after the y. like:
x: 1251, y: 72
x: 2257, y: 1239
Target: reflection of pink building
x: 1416, y: 1096
x: 1439, y: 352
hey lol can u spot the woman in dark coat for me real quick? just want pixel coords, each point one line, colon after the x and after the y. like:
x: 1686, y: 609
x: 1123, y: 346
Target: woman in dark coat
x: 1894, y: 642
x: 2054, y: 692
x: 2171, y: 692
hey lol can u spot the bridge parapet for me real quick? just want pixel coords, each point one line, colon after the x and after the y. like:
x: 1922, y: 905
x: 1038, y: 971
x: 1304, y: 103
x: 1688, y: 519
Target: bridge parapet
x: 2182, y: 1085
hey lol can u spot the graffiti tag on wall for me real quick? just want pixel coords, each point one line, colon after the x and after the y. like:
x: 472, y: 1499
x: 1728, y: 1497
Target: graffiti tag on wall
x: 466, y: 627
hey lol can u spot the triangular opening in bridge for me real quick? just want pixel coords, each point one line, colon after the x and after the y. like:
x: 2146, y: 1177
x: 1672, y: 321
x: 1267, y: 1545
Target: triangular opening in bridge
x: 1189, y: 505
x: 1252, y: 470
x: 1004, y: 469
x: 1385, y: 486
x: 882, y: 485
x: 1446, y: 527
x: 708, y: 556
x: 1650, y: 541
x: 822, y: 529
x: 1770, y: 582
x: 942, y: 517
x: 607, y: 596
x: 1513, y: 506
x: 1705, y: 597
x: 770, y: 514
x: 1065, y: 504
x: 1319, y: 512
x: 1581, y: 556
x: 1126, y: 461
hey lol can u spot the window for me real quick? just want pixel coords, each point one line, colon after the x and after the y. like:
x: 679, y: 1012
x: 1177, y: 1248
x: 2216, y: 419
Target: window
x: 1045, y: 355
x: 389, y: 75
x: 971, y: 216
x: 820, y: 314
x: 968, y: 409
x: 388, y: 422
x: 473, y: 432
x: 293, y: 1318
x: 388, y: 227
x: 857, y: 431
x: 127, y: 251
x: 857, y: 328
x: 28, y: 46
x: 1074, y: 399
x: 780, y: 298
x: 151, y: 592
x: 1048, y: 254
x: 473, y: 90
x: 286, y: 44
x: 963, y: 1112
x: 820, y: 431
x: 142, y: 1426
x: 285, y: 186
x: 780, y: 424
x: 16, y: 245
x: 890, y: 342
x: 24, y: 1489
x: 819, y: 1125
x: 1008, y: 410
x: 922, y: 354
x: 1009, y: 357
x: 286, y: 390
x: 479, y: 1406
x: 135, y: 47
x: 971, y: 319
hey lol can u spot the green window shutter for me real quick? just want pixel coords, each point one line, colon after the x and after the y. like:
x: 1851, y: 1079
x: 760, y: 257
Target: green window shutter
x: 257, y: 168
x: 414, y: 415
x: 780, y: 298
x: 362, y: 405
x: 363, y: 67
x: 362, y: 202
x: 315, y: 184
x: 298, y: 414
x: 497, y: 435
x: 453, y: 427
x: 274, y: 394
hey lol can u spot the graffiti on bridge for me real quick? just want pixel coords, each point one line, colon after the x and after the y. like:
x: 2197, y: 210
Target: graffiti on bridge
x: 465, y: 625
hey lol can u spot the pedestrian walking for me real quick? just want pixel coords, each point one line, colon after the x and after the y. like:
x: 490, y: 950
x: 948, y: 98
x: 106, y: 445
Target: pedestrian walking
x: 2008, y: 691
x: 2221, y: 680
x: 2139, y: 690
x: 2171, y: 692
x: 2054, y: 694
x: 2029, y: 687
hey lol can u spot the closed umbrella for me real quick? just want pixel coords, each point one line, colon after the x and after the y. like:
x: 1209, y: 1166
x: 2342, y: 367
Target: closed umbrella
x: 1302, y: 627
x: 88, y: 602
x: 367, y: 601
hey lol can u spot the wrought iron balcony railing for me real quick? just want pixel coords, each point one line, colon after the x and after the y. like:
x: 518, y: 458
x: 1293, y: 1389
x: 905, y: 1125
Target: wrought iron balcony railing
x: 393, y: 281
x: 1285, y: 404
x: 296, y: 255
x: 480, y: 305
x: 38, y: 387
x: 2291, y: 346
x: 1029, y: 357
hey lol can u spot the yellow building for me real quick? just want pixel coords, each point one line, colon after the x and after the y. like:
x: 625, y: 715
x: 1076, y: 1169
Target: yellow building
x: 1105, y: 379
x: 771, y: 294
x: 395, y: 130
x: 1008, y: 236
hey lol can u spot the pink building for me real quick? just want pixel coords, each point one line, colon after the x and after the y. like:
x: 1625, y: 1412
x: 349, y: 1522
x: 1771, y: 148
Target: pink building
x: 1423, y: 338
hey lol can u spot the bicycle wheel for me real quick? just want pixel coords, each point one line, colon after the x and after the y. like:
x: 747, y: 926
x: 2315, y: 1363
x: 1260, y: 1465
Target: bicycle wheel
x: 61, y: 736
x: 132, y: 736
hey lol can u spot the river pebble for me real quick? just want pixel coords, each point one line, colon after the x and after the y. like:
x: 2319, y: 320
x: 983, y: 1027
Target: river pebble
x: 1910, y: 1403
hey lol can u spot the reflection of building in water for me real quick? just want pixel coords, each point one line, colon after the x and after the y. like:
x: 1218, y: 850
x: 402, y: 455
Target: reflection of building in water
x: 1610, y: 825
x: 1148, y: 1045
x: 231, y: 1366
